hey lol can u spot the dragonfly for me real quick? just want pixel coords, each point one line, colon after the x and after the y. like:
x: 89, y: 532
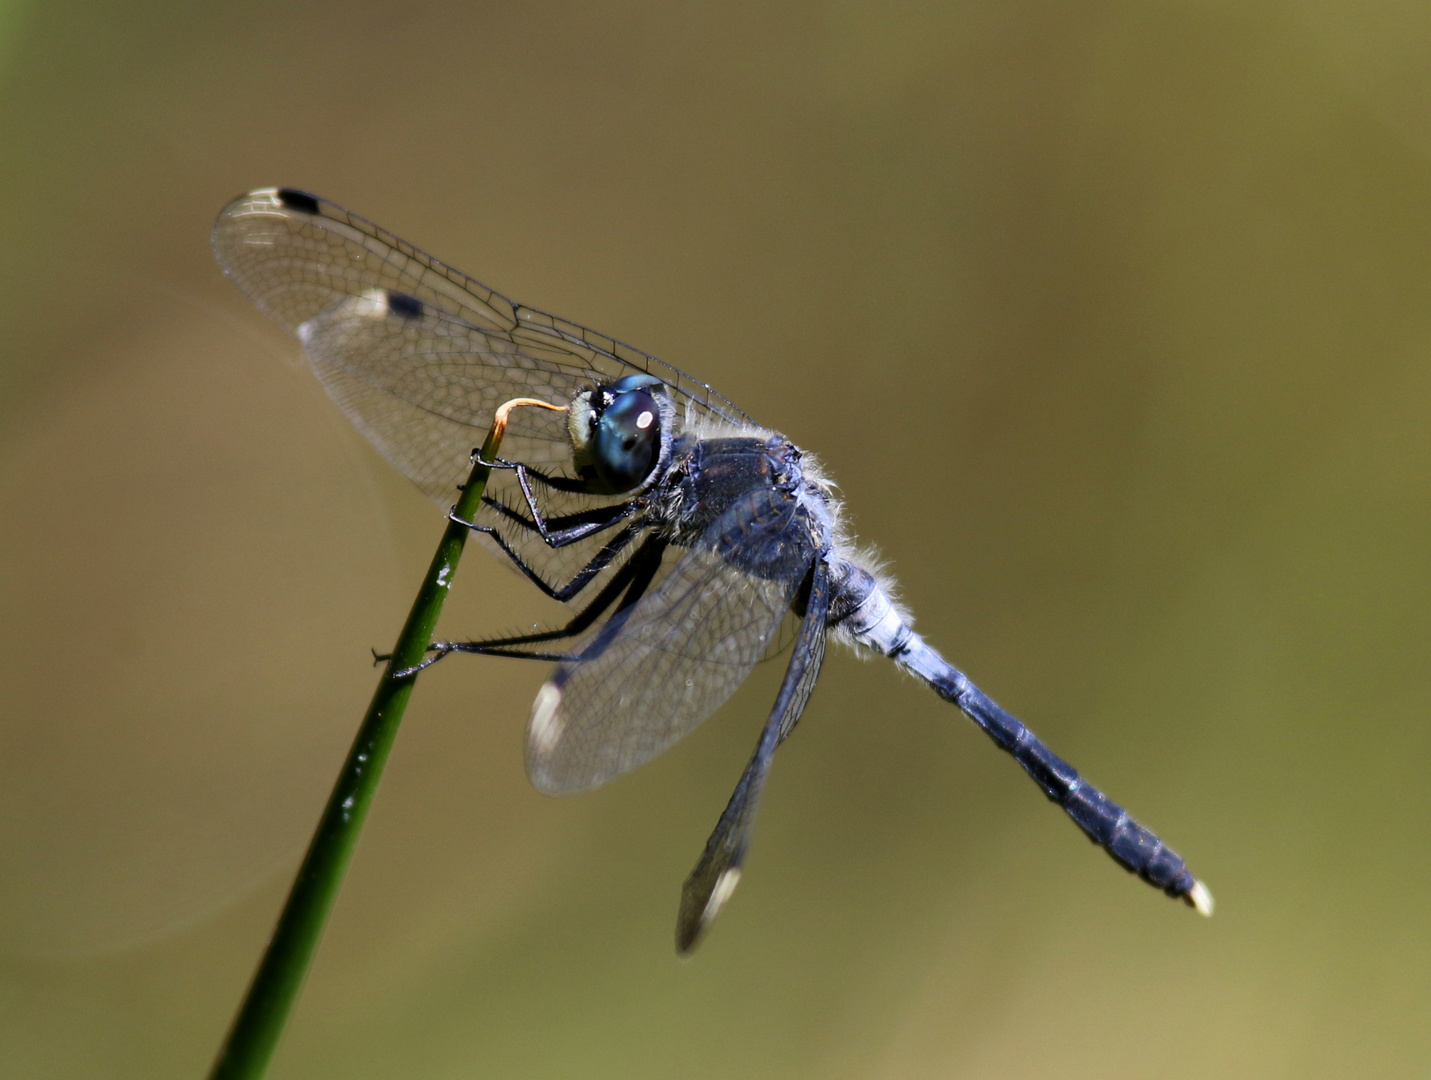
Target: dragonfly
x: 682, y: 534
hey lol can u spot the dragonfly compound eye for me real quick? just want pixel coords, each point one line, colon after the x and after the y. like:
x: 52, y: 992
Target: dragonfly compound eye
x: 626, y: 440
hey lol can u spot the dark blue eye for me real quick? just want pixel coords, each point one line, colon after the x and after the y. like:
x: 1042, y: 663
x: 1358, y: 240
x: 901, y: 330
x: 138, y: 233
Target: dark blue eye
x: 634, y: 381
x: 627, y: 439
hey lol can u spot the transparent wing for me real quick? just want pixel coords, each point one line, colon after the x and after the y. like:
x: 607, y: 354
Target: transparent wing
x: 716, y: 874
x: 417, y: 354
x: 423, y: 388
x: 655, y: 671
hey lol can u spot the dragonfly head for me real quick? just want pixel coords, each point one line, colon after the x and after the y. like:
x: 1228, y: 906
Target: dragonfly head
x: 616, y: 433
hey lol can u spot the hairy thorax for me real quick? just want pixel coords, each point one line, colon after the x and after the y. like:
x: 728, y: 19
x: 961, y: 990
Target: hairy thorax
x: 706, y: 475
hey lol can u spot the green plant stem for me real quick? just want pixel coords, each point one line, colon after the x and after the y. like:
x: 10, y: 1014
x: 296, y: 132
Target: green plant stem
x: 259, y: 1023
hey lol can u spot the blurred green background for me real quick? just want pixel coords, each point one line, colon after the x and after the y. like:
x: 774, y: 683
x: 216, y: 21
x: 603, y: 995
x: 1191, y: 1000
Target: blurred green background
x: 1112, y: 321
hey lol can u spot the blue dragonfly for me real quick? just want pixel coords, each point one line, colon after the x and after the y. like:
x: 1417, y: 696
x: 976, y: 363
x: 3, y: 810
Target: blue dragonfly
x: 683, y: 533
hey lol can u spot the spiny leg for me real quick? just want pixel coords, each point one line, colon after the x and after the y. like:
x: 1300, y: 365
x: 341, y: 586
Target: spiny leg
x: 718, y: 871
x: 556, y: 483
x: 566, y: 529
x: 632, y: 580
x: 581, y: 579
x: 571, y: 528
x: 648, y: 563
x: 524, y: 474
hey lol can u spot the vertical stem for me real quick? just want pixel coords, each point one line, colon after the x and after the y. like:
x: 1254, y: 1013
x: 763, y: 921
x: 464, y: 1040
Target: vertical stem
x: 259, y: 1023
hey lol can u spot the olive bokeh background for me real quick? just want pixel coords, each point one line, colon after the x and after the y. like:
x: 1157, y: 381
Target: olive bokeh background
x: 1112, y: 321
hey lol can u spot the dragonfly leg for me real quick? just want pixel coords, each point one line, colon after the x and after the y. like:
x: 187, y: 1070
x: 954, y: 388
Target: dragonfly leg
x: 579, y: 525
x: 718, y: 871
x: 561, y: 531
x: 565, y: 484
x: 569, y: 528
x: 556, y: 483
x: 599, y: 562
x: 438, y: 650
x: 628, y: 584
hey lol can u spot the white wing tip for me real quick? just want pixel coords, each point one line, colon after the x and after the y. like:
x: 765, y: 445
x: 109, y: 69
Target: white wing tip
x: 546, y: 727
x: 724, y: 886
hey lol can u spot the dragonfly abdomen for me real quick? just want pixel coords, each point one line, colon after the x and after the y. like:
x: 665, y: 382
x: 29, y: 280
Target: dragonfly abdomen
x: 862, y: 609
x: 1107, y: 824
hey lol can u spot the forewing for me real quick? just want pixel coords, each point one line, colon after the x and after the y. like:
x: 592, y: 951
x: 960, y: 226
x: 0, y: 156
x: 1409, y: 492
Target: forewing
x: 658, y: 669
x: 423, y: 388
x: 377, y: 363
x: 421, y: 379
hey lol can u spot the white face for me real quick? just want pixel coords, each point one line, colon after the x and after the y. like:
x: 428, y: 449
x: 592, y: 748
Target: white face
x: 580, y: 427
